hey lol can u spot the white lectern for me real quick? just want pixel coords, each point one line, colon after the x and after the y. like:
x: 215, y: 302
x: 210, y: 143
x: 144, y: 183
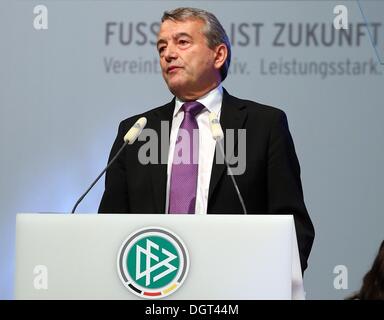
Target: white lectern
x: 157, y: 256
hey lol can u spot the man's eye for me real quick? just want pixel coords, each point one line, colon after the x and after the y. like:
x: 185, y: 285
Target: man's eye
x: 183, y: 42
x: 161, y: 49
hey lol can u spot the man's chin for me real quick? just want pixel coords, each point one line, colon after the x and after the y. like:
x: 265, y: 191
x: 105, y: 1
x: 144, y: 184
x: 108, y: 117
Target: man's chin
x: 178, y: 90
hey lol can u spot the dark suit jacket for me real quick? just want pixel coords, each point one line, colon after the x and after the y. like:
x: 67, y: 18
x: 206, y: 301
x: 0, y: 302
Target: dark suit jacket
x: 270, y: 184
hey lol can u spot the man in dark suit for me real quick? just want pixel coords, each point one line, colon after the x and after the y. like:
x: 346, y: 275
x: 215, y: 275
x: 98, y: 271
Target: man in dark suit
x: 194, y: 57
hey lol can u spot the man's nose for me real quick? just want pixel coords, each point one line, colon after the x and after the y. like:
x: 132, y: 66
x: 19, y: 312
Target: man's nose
x: 170, y: 53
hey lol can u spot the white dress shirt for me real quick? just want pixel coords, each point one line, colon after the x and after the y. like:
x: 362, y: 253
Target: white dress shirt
x: 212, y: 103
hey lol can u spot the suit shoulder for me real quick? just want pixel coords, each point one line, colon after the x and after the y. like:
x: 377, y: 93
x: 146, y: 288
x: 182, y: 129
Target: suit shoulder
x: 255, y: 108
x: 147, y: 114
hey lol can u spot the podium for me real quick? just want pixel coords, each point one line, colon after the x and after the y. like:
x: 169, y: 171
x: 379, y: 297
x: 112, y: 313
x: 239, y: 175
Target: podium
x: 157, y: 256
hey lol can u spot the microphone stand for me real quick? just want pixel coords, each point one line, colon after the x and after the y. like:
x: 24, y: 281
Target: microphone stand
x: 232, y: 177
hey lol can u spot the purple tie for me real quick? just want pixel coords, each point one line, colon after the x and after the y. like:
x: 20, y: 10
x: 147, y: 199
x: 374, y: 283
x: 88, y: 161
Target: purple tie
x: 182, y: 194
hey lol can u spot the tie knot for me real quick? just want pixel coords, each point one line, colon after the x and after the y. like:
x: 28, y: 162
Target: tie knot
x: 192, y: 107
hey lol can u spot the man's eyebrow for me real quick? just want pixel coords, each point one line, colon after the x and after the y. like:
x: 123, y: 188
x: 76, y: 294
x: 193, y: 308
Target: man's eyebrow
x: 160, y: 41
x: 182, y: 34
x: 176, y: 36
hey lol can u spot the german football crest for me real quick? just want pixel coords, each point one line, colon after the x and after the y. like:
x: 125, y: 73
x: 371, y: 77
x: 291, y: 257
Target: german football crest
x: 153, y: 262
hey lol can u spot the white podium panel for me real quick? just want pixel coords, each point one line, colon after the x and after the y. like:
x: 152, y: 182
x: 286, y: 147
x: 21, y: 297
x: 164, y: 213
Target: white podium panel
x: 120, y: 256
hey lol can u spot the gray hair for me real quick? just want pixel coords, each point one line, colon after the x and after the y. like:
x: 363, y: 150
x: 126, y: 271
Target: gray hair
x: 213, y: 30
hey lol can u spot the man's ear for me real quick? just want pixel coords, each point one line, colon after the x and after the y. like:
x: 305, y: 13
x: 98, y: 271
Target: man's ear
x: 221, y: 53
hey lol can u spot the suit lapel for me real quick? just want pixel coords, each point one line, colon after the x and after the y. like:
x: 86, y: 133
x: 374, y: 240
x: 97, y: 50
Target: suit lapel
x: 159, y: 171
x: 233, y: 116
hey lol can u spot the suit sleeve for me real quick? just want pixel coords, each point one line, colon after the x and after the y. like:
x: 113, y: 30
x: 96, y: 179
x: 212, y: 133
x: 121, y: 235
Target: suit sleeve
x: 285, y: 194
x: 115, y: 197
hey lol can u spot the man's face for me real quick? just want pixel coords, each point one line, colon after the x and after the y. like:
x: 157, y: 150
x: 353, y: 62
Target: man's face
x: 190, y: 68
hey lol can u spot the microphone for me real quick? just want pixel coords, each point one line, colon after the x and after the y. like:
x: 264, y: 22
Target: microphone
x: 218, y: 135
x: 129, y: 138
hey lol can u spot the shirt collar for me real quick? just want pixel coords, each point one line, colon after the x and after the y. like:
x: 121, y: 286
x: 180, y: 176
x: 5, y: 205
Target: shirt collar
x: 212, y: 101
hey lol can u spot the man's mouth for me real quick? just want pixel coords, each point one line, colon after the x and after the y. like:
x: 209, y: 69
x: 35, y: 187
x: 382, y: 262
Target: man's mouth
x: 172, y: 69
